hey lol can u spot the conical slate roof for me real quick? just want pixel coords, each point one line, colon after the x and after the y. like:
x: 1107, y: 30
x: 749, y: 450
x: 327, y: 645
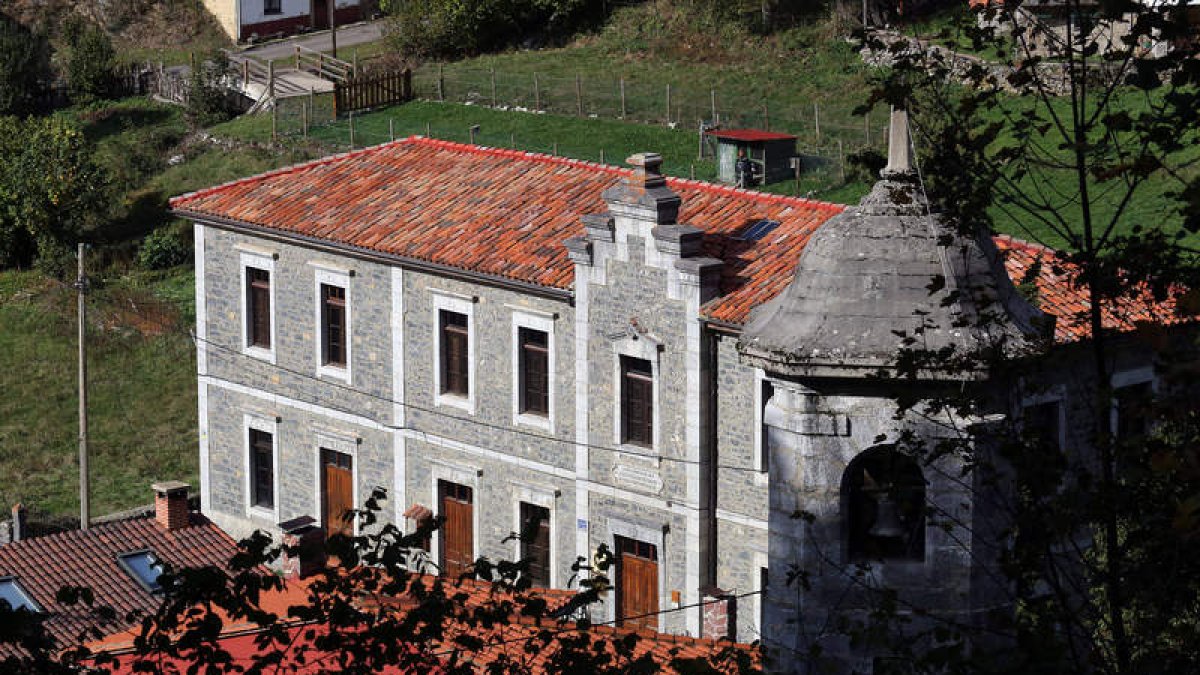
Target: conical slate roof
x: 885, y: 271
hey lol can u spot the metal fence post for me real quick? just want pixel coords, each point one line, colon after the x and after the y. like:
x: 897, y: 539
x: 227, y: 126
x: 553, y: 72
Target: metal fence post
x: 578, y: 94
x: 537, y: 95
x: 622, y: 98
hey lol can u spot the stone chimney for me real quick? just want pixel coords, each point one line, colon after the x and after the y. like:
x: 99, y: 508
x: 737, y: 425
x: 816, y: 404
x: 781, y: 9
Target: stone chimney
x: 19, y: 523
x: 171, y: 504
x: 303, y: 548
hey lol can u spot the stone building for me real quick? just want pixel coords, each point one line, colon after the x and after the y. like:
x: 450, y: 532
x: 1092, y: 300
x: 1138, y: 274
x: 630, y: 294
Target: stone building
x: 521, y: 342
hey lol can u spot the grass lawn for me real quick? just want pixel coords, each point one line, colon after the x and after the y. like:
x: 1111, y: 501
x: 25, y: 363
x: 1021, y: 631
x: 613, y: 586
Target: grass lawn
x: 142, y: 393
x: 581, y: 138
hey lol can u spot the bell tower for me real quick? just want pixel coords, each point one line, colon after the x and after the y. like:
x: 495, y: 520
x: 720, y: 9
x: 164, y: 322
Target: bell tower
x: 855, y: 507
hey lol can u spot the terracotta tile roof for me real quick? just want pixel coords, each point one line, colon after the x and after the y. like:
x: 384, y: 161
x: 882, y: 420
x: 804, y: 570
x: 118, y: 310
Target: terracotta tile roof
x: 500, y: 642
x: 78, y: 558
x: 500, y: 212
x: 1058, y: 294
x: 506, y: 213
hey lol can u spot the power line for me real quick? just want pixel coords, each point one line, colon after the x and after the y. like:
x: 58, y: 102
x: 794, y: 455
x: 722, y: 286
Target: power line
x: 441, y: 413
x: 456, y: 418
x: 612, y: 622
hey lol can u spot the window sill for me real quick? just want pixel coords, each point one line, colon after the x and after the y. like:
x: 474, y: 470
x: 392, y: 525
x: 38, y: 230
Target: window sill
x: 455, y: 401
x: 536, y: 421
x: 334, y: 372
x: 260, y: 353
x: 272, y: 12
x: 261, y: 513
x: 638, y: 450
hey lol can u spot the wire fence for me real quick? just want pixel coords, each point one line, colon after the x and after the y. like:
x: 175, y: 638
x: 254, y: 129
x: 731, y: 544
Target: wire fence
x: 825, y: 138
x: 681, y: 105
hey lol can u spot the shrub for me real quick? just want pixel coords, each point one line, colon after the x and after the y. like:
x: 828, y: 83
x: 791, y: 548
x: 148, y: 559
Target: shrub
x: 165, y: 247
x: 24, y: 64
x: 90, y: 64
x: 208, y: 98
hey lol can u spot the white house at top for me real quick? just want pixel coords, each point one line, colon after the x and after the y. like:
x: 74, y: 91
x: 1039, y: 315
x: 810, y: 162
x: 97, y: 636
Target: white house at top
x: 244, y: 20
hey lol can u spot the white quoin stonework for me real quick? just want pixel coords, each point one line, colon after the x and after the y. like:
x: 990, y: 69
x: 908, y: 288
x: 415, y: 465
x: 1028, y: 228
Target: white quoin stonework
x: 638, y: 241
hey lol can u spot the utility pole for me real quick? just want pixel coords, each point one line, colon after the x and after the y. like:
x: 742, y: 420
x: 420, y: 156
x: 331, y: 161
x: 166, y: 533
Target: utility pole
x: 333, y: 27
x: 81, y: 285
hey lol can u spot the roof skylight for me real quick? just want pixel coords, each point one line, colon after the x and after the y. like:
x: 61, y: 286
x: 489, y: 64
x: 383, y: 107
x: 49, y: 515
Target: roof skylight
x: 15, y: 595
x: 143, y: 567
x: 758, y: 230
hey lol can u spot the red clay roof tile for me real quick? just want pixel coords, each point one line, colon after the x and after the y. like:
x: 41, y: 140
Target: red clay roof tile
x: 89, y: 558
x: 506, y: 213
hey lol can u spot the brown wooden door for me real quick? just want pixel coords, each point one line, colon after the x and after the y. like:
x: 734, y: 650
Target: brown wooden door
x: 458, y: 531
x: 337, y: 492
x: 637, y: 584
x: 320, y: 14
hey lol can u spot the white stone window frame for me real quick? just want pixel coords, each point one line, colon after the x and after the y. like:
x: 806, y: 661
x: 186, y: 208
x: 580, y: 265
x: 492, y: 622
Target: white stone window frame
x: 262, y: 260
x: 545, y: 498
x: 1055, y: 394
x: 463, y: 476
x: 347, y: 444
x: 268, y: 425
x: 544, y: 322
x: 627, y: 530
x: 760, y: 562
x: 332, y: 276
x: 1129, y: 378
x: 446, y: 301
x: 646, y: 348
x: 761, y: 473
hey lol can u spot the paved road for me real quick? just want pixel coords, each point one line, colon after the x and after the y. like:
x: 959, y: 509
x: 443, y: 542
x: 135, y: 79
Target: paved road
x: 347, y: 37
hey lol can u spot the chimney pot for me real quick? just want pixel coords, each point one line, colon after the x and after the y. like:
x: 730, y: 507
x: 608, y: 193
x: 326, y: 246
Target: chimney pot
x: 19, y: 522
x: 171, y: 504
x: 647, y: 170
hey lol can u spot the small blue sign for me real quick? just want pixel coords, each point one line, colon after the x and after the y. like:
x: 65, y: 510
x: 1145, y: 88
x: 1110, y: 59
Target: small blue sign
x: 582, y: 524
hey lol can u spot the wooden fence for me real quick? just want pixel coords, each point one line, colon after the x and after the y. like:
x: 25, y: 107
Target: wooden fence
x: 373, y: 91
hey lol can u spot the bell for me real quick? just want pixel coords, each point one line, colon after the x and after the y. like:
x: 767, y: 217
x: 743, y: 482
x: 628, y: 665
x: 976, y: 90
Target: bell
x: 887, y: 520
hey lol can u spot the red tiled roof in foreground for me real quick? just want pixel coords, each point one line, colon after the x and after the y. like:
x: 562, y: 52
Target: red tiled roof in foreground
x: 506, y: 213
x: 43, y: 565
x: 500, y: 642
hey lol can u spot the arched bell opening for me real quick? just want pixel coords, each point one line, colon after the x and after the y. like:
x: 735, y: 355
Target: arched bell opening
x: 883, y: 507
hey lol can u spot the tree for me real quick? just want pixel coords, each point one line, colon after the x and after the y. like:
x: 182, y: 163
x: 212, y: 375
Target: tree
x: 1083, y: 133
x: 90, y: 62
x: 52, y: 191
x: 24, y: 65
x: 370, y: 612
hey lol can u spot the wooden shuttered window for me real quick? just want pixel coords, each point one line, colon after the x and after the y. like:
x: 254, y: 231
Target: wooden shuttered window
x: 637, y: 402
x: 458, y: 530
x: 258, y: 308
x: 454, y: 353
x: 637, y: 584
x: 535, y: 371
x: 535, y: 542
x: 262, y: 469
x: 337, y: 492
x: 333, y: 325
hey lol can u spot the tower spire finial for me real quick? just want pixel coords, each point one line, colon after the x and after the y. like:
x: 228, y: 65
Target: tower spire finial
x: 899, y: 146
